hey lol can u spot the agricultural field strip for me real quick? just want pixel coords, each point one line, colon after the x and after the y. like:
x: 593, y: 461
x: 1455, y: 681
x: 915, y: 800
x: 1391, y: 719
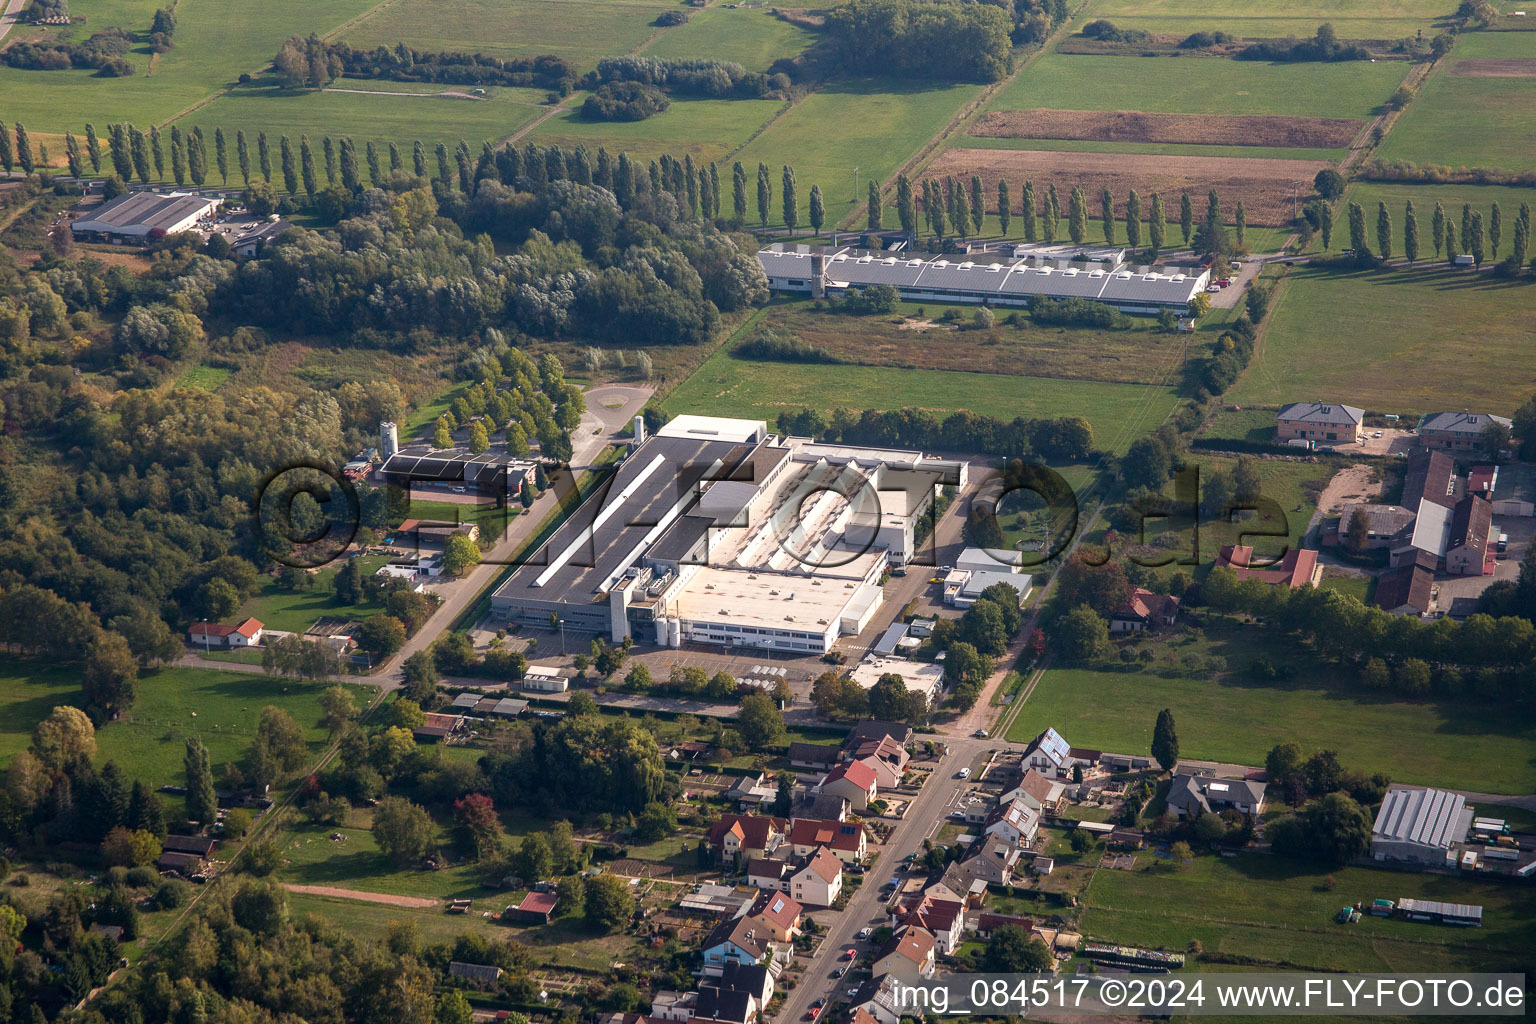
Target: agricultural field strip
x: 1272, y: 130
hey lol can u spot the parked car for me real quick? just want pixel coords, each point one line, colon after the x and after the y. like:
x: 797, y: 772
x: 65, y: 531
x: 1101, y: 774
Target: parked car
x: 980, y: 734
x: 963, y: 773
x: 865, y: 933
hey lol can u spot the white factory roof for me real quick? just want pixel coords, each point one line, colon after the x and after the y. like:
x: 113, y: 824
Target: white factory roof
x: 715, y: 428
x: 765, y: 600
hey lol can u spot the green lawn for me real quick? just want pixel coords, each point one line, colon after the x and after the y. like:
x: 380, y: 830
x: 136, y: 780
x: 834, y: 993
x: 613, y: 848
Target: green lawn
x: 295, y: 611
x: 205, y: 378
x: 1352, y: 19
x: 1276, y: 910
x: 173, y: 703
x: 1465, y: 121
x: 582, y: 33
x: 871, y: 125
x: 215, y: 43
x: 753, y: 38
x: 708, y: 129
x: 377, y: 116
x: 1421, y: 340
x: 727, y: 386
x: 356, y: 863
x: 1228, y: 719
x: 1201, y: 86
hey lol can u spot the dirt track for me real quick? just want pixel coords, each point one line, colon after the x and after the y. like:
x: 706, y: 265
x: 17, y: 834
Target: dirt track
x: 414, y: 902
x: 1264, y: 186
x: 1193, y: 129
x: 1510, y: 67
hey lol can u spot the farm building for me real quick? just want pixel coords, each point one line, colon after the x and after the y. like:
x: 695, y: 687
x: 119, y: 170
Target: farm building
x: 1419, y: 825
x: 213, y: 634
x: 1016, y: 282
x: 1406, y: 590
x: 139, y: 217
x: 535, y: 908
x: 1319, y: 421
x: 1299, y: 567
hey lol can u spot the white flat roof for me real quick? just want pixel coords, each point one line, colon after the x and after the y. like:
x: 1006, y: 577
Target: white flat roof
x: 739, y: 597
x: 919, y: 676
x: 1432, y: 528
x: 714, y: 428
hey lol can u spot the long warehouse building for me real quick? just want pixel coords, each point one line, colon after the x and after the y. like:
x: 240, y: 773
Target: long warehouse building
x: 715, y: 531
x: 1012, y: 282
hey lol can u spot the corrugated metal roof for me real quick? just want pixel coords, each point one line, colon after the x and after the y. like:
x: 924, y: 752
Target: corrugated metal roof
x: 1426, y: 817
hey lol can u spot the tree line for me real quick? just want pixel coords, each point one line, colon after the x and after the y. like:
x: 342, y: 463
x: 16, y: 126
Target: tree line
x: 1451, y: 237
x: 1067, y: 438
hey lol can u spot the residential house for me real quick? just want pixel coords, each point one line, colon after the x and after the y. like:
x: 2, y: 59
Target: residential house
x: 816, y: 757
x: 941, y: 917
x: 986, y: 924
x: 752, y: 790
x: 1319, y: 421
x: 875, y: 1002
x: 1192, y: 795
x: 779, y: 913
x: 887, y: 775
x: 854, y: 780
x: 535, y: 908
x: 743, y: 941
x: 1145, y: 610
x: 845, y: 839
x: 818, y: 881
x: 668, y: 1004
x: 959, y: 885
x: 214, y: 635
x: 1015, y: 822
x: 826, y: 806
x: 713, y: 1004
x: 910, y: 951
x: 887, y: 749
x: 1297, y: 568
x: 769, y: 873
x: 991, y: 860
x: 1036, y: 790
x: 1050, y: 754
x: 1467, y: 551
x: 478, y: 975
x: 757, y: 981
x: 738, y: 837
x: 874, y: 729
x: 1420, y: 826
x: 1459, y: 431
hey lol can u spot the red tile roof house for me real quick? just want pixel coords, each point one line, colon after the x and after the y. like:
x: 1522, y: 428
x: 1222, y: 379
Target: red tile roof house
x: 1145, y: 610
x: 212, y: 634
x: 855, y: 781
x: 943, y: 918
x: 907, y: 952
x: 738, y: 837
x: 818, y: 881
x: 845, y: 839
x: 1298, y: 568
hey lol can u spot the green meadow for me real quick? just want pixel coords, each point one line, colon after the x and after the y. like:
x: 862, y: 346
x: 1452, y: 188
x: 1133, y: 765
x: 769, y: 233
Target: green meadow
x: 173, y: 703
x: 1466, y: 121
x: 1352, y: 19
x: 1201, y: 86
x: 215, y: 43
x: 727, y: 386
x: 1421, y: 338
x: 378, y: 116
x: 582, y: 33
x: 753, y: 38
x: 864, y: 125
x: 708, y: 129
x: 1222, y: 717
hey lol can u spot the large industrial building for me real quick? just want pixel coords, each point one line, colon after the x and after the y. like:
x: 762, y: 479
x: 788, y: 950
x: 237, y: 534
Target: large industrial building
x: 1010, y: 281
x: 1420, y: 825
x: 138, y: 217
x: 715, y: 531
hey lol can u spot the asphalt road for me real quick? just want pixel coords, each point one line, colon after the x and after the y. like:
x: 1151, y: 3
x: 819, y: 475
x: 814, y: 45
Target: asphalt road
x: 10, y: 16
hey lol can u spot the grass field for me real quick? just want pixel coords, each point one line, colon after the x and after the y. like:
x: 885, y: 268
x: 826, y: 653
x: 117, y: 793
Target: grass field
x: 1275, y: 910
x: 1352, y: 19
x: 149, y: 741
x: 726, y: 386
x: 752, y: 38
x: 1140, y: 355
x: 296, y: 611
x: 1155, y: 148
x: 1422, y: 339
x: 205, y: 378
x: 1228, y: 719
x: 868, y: 125
x: 1465, y: 121
x: 581, y: 33
x: 382, y: 117
x: 1394, y: 194
x: 709, y: 129
x: 1075, y: 82
x: 215, y: 43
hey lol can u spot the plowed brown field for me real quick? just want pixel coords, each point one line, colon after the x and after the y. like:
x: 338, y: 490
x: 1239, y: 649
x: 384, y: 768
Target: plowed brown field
x: 1264, y: 186
x: 1192, y: 129
x: 1506, y: 67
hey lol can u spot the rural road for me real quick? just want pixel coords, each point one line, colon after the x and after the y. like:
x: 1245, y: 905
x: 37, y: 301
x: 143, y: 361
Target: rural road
x: 10, y: 16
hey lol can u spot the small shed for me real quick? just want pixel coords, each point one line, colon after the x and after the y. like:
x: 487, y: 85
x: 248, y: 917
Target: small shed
x: 535, y: 908
x: 479, y: 975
